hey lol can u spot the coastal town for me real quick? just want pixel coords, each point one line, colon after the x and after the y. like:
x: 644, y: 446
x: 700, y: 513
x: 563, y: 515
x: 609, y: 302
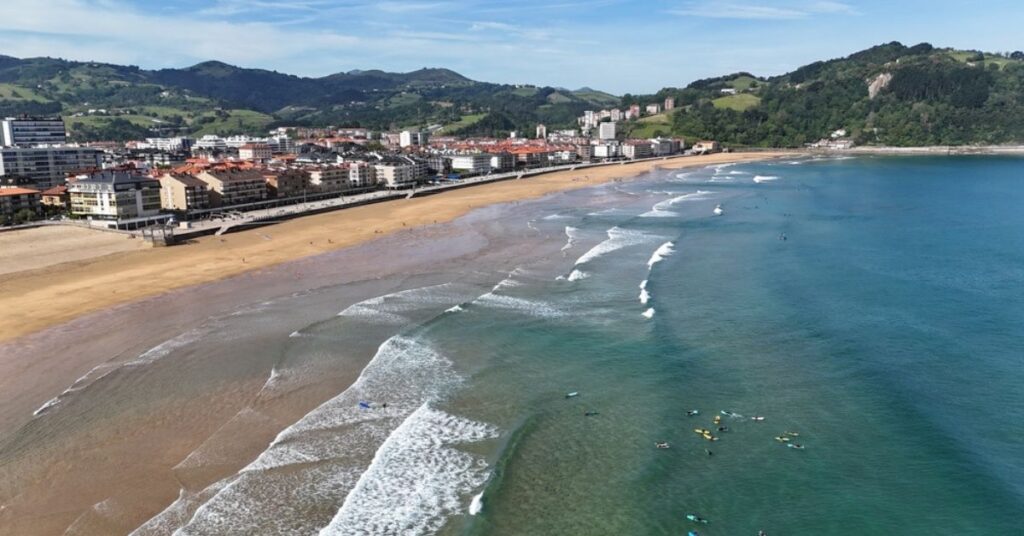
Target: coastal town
x: 192, y: 185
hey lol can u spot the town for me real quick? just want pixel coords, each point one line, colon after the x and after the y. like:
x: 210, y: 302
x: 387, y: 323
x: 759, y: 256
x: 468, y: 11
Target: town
x: 211, y: 183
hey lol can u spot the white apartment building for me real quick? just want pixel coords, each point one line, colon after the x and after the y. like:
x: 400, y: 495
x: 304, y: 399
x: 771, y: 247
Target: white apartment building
x: 115, y: 196
x: 361, y: 175
x: 636, y: 150
x: 48, y: 165
x: 211, y: 141
x: 327, y: 179
x: 606, y: 150
x: 471, y: 163
x: 411, y: 138
x: 171, y: 145
x: 606, y: 131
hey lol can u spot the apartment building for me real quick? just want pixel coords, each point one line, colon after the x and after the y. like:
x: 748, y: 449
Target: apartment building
x: 114, y: 195
x: 234, y: 186
x: 28, y: 131
x: 182, y: 192
x: 287, y: 182
x: 476, y: 164
x: 327, y: 179
x: 15, y: 200
x: 47, y: 166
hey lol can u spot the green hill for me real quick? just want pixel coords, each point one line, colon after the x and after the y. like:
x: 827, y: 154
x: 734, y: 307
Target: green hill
x: 214, y: 97
x: 889, y: 94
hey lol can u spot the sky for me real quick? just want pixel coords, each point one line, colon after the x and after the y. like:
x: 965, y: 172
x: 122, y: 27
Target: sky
x: 620, y: 46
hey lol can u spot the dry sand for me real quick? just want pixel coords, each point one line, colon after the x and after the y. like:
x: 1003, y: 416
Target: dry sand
x: 76, y: 283
x: 31, y: 249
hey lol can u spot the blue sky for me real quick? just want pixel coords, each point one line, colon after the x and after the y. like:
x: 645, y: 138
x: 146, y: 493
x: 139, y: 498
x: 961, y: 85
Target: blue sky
x: 617, y: 45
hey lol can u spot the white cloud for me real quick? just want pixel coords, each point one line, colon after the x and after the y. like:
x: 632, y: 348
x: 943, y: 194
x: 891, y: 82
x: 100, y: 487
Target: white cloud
x: 730, y: 10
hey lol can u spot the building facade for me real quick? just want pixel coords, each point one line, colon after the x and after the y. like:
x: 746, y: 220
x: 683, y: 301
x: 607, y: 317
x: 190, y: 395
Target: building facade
x: 234, y: 186
x: 47, y: 166
x: 180, y: 192
x: 17, y: 200
x: 115, y: 196
x: 606, y: 131
x: 28, y: 131
x: 287, y: 182
x: 476, y: 164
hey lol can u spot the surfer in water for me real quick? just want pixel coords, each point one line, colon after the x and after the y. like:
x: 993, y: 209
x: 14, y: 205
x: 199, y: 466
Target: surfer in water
x: 692, y: 413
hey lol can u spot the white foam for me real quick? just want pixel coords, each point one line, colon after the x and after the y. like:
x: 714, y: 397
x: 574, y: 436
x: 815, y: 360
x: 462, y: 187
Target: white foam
x: 662, y: 209
x: 389, y: 308
x: 518, y: 305
x: 416, y: 479
x: 165, y: 348
x: 648, y: 314
x: 46, y: 406
x: 477, y: 504
x: 663, y: 251
x: 618, y: 238
x: 556, y: 217
x: 764, y: 178
x: 323, y: 457
x: 644, y: 295
x: 571, y: 234
x: 576, y: 275
x: 454, y: 309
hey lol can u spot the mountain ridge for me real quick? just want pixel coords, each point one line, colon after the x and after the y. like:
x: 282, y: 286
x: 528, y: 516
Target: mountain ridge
x: 887, y: 94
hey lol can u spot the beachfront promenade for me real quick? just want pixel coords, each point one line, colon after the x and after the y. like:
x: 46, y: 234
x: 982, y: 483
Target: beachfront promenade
x: 232, y: 219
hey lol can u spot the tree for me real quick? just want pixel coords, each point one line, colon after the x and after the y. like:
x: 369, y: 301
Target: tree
x: 23, y: 216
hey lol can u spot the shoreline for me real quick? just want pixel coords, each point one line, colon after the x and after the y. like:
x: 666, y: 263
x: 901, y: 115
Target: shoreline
x: 935, y: 150
x: 53, y: 295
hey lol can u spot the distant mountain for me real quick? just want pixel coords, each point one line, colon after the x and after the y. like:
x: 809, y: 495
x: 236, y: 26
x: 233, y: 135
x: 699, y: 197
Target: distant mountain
x: 215, y: 97
x: 889, y: 94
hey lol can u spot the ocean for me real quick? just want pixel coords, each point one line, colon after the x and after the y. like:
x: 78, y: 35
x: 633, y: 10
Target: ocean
x: 869, y: 310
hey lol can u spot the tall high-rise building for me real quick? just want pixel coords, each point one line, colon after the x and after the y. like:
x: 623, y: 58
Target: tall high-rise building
x: 542, y: 132
x: 26, y: 131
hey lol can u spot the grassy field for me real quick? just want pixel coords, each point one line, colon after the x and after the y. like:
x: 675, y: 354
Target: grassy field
x: 465, y: 121
x: 13, y: 92
x: 964, y: 55
x: 742, y: 83
x: 740, y: 102
x: 403, y: 99
x: 557, y: 98
x: 99, y: 120
x: 651, y: 125
x: 525, y: 91
x: 236, y: 122
x: 597, y: 97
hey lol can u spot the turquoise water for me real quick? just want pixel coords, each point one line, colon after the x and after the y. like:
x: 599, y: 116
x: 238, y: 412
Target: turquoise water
x: 874, y: 306
x: 887, y: 330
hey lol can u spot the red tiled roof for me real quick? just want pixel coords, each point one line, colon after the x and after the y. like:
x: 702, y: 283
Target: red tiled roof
x: 6, y: 192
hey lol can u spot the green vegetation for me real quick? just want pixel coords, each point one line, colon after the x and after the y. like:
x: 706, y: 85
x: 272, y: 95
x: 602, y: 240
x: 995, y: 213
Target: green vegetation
x: 738, y: 102
x: 18, y: 93
x: 226, y: 122
x: 923, y: 96
x: 463, y: 122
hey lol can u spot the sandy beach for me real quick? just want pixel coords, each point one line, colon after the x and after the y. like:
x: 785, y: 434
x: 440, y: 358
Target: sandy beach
x: 63, y: 285
x: 209, y: 402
